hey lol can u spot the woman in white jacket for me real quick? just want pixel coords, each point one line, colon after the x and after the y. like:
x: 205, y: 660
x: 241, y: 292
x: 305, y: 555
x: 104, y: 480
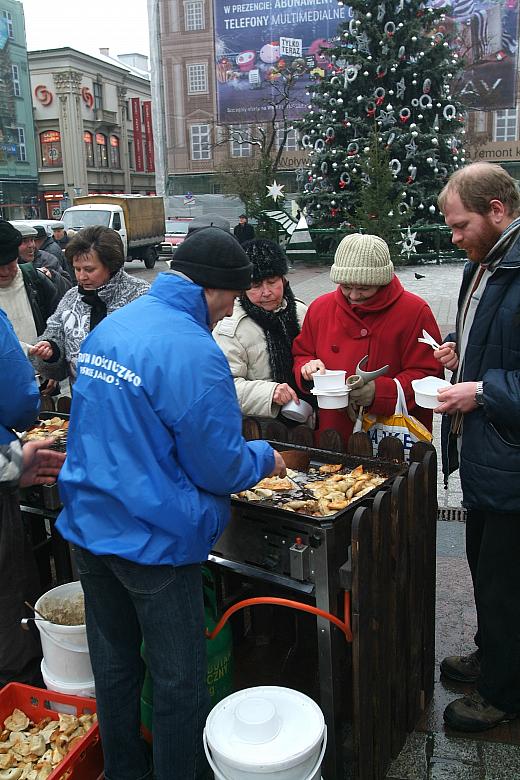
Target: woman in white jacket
x: 257, y: 338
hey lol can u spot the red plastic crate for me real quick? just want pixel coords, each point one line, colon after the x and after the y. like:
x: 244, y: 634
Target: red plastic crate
x: 85, y: 760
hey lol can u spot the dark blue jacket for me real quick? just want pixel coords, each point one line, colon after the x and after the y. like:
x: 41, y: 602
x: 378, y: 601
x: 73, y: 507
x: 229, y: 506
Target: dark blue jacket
x: 19, y: 395
x: 490, y: 454
x: 155, y: 442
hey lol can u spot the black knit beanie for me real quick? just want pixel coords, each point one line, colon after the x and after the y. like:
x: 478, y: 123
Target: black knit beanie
x: 10, y: 240
x: 267, y: 257
x: 213, y: 258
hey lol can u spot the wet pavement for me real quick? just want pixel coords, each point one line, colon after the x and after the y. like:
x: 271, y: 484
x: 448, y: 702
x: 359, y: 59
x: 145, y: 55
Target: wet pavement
x: 433, y: 752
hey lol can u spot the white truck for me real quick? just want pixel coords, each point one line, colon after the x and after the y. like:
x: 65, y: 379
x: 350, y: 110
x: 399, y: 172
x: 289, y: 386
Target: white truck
x: 139, y: 220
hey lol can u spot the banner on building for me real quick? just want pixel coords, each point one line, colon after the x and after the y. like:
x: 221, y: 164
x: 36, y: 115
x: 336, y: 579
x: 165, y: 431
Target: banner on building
x: 148, y: 135
x: 486, y: 34
x: 138, y: 134
x: 256, y: 42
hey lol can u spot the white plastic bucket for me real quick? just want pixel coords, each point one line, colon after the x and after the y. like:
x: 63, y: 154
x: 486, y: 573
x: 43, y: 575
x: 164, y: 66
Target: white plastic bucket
x: 65, y: 648
x: 266, y: 733
x: 87, y: 688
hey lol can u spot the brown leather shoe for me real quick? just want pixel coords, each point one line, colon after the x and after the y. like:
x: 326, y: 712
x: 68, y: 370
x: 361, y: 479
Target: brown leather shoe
x: 474, y: 713
x: 462, y: 668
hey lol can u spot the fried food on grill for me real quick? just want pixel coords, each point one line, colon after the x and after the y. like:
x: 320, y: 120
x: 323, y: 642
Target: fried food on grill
x: 330, y: 468
x: 331, y: 493
x: 53, y: 428
x: 275, y: 483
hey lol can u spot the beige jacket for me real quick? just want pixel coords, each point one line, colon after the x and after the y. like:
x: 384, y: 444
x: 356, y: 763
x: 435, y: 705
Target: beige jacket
x: 243, y: 343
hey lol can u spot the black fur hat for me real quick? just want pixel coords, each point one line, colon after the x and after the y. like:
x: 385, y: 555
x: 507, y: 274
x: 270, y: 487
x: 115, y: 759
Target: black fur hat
x: 10, y: 240
x: 268, y: 258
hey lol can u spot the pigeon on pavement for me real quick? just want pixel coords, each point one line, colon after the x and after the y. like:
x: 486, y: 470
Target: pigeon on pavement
x: 419, y: 276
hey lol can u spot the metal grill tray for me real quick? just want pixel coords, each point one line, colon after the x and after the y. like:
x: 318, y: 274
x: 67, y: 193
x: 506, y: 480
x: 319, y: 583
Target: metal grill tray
x: 45, y: 496
x: 274, y: 506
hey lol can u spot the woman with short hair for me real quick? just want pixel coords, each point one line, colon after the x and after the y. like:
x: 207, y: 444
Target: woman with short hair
x: 97, y: 256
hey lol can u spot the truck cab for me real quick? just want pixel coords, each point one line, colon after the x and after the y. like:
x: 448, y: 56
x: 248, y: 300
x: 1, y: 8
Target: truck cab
x: 139, y: 220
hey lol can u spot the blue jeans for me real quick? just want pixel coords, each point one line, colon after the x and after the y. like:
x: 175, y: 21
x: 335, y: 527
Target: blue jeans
x: 125, y: 603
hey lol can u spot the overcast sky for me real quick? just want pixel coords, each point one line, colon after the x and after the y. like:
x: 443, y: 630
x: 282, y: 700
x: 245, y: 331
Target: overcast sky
x: 119, y: 25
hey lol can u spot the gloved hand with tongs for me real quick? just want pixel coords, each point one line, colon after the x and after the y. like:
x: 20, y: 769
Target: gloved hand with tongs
x: 362, y: 388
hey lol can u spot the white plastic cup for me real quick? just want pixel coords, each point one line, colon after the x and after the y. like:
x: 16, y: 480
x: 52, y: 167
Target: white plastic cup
x: 297, y: 412
x: 426, y: 390
x: 330, y: 380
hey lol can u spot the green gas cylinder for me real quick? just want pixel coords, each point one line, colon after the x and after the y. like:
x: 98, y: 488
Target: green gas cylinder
x: 218, y: 651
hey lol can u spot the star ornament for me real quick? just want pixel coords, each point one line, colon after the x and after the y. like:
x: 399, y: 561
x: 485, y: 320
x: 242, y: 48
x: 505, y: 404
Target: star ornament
x: 275, y: 190
x: 409, y: 242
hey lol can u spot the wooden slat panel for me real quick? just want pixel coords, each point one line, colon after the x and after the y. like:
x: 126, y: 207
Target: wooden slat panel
x: 301, y: 435
x: 415, y: 591
x: 429, y: 573
x: 360, y: 444
x: 391, y: 448
x: 331, y: 440
x: 250, y: 429
x: 362, y: 606
x: 399, y: 619
x: 380, y: 655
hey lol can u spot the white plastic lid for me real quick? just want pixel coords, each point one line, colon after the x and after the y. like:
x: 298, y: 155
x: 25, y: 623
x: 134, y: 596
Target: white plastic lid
x: 262, y: 727
x: 340, y: 391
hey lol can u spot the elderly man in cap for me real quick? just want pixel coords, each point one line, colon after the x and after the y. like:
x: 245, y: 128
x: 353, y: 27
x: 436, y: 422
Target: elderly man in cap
x: 155, y: 449
x: 243, y: 231
x: 26, y: 294
x: 59, y: 235
x: 48, y: 263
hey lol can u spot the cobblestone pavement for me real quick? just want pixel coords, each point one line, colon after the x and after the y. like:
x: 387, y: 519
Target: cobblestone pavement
x: 431, y: 752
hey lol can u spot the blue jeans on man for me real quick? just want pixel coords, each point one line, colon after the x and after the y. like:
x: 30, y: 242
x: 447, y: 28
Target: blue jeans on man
x: 126, y: 602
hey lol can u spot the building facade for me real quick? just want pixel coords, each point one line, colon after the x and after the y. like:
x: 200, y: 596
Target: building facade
x: 18, y: 167
x: 184, y: 86
x: 93, y: 127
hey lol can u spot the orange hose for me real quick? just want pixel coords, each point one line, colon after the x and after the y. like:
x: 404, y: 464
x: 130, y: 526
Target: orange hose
x: 344, y: 627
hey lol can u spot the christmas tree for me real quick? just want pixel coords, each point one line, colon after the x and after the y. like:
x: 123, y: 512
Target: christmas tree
x: 390, y: 69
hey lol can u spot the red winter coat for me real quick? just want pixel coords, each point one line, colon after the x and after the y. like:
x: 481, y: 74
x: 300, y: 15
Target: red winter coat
x: 386, y: 328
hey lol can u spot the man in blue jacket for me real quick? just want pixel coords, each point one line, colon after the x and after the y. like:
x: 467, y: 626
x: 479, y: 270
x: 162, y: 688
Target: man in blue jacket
x: 155, y: 448
x: 481, y: 205
x: 20, y: 652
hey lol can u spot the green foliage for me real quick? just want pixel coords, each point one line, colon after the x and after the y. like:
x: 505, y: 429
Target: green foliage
x: 390, y: 70
x: 376, y: 212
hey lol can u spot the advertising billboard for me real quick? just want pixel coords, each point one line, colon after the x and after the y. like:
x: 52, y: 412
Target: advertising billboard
x: 485, y: 33
x: 255, y: 42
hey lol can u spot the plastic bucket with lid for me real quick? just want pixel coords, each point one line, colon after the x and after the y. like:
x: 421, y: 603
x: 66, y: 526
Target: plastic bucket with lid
x: 266, y: 733
x: 65, y: 648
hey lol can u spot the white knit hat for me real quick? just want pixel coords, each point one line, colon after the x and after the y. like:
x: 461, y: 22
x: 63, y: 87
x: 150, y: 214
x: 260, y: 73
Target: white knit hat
x: 362, y: 259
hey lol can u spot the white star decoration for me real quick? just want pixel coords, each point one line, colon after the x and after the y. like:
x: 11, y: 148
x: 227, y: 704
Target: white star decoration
x: 275, y: 190
x: 409, y: 242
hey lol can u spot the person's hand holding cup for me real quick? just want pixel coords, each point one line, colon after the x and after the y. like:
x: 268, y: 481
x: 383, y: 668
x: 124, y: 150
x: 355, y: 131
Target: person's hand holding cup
x: 311, y: 367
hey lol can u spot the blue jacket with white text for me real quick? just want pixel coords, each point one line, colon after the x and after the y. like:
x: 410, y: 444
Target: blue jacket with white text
x: 155, y: 444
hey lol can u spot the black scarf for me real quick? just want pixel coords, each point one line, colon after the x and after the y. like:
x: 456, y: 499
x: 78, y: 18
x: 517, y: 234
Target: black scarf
x: 281, y: 328
x: 98, y: 306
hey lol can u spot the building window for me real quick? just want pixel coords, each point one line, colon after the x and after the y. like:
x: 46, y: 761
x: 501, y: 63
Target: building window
x: 292, y: 142
x: 15, y: 71
x: 114, y: 152
x: 9, y: 21
x: 505, y: 125
x: 89, y: 149
x: 101, y: 144
x: 237, y: 136
x: 127, y: 109
x: 200, y: 148
x: 98, y: 96
x: 193, y: 15
x: 480, y: 121
x: 50, y: 143
x: 197, y: 79
x: 19, y: 139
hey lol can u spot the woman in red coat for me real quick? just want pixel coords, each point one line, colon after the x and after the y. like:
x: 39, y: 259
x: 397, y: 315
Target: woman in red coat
x: 370, y: 313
